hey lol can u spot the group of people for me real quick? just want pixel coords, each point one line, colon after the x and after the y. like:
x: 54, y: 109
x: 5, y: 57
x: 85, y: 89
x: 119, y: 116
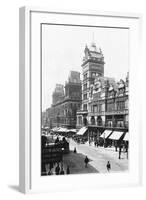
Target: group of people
x: 96, y: 143
x: 121, y: 148
x: 118, y: 147
x: 59, y: 170
x: 80, y: 140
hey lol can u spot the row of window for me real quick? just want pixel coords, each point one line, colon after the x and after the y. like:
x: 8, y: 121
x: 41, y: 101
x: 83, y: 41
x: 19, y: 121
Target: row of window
x: 100, y: 122
x: 93, y: 75
x: 121, y: 105
x: 64, y: 121
x: 98, y: 95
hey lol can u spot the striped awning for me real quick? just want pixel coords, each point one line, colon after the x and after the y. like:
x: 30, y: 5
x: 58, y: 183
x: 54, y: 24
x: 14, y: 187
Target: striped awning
x: 105, y: 134
x: 116, y: 135
x: 82, y: 131
x: 126, y: 137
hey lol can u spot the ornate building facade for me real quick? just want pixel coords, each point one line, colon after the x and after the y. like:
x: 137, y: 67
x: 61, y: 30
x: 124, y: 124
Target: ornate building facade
x: 104, y: 101
x: 92, y: 66
x: 66, y: 100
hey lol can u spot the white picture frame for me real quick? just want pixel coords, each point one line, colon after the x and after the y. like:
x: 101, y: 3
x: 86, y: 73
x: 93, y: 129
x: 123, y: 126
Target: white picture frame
x: 29, y: 143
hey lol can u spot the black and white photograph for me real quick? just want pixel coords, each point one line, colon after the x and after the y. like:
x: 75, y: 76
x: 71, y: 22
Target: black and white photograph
x: 84, y: 99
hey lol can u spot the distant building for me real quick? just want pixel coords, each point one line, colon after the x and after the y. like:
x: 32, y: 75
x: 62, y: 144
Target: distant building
x: 44, y: 119
x: 58, y: 94
x: 66, y: 100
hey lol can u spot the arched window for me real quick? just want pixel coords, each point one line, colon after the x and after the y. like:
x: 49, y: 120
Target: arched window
x: 92, y: 120
x: 99, y: 121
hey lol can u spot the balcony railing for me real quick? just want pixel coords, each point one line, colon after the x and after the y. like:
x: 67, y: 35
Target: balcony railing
x: 114, y: 112
x: 117, y: 112
x: 96, y: 113
x: 82, y: 111
x: 109, y: 126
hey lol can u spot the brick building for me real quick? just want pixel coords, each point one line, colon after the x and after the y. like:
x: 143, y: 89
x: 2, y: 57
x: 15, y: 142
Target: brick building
x: 66, y: 100
x: 104, y: 101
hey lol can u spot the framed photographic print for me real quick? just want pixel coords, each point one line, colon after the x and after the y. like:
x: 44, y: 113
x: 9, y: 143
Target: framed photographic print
x: 79, y: 109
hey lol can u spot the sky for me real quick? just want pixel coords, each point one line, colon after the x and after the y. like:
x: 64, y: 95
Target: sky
x: 63, y: 51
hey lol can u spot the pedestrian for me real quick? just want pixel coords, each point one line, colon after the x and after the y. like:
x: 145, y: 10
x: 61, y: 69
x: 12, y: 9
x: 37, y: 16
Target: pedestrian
x: 75, y: 150
x: 57, y: 169
x: 51, y: 165
x: 67, y: 170
x: 57, y: 140
x: 50, y: 172
x: 127, y: 151
x: 108, y: 166
x: 95, y: 143
x: 86, y: 161
x: 120, y: 152
x: 62, y: 171
x: 116, y: 146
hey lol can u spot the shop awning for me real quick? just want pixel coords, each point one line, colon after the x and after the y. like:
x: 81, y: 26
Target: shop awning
x: 72, y: 130
x: 105, y: 134
x: 82, y: 131
x: 55, y: 129
x: 116, y: 135
x: 126, y: 137
x: 62, y: 129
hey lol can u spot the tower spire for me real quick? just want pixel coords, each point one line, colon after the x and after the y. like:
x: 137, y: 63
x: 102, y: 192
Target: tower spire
x: 93, y: 45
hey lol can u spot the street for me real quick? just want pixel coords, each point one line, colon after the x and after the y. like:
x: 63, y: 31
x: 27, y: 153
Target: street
x: 98, y: 158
